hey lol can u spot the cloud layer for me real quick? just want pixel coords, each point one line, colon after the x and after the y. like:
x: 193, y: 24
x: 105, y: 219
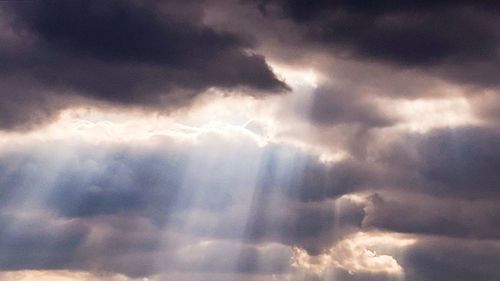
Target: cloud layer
x: 249, y: 140
x: 122, y: 52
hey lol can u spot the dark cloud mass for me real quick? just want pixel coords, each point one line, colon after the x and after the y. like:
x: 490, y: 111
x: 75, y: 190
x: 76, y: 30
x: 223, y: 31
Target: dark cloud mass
x: 457, y: 40
x: 408, y: 32
x: 331, y: 106
x: 124, y: 52
x: 438, y: 260
x: 456, y: 162
x: 447, y: 217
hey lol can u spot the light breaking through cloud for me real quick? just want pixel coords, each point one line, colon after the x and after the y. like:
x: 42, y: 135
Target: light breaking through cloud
x: 249, y: 140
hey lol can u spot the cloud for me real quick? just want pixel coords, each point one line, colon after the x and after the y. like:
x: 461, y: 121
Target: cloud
x: 452, y: 162
x: 381, y: 164
x: 199, y: 191
x: 122, y: 52
x: 457, y: 40
x: 334, y: 105
x: 429, y: 215
x: 127, y: 245
x: 462, y: 161
x: 353, y: 258
x: 30, y: 243
x: 135, y: 210
x: 414, y: 32
x: 441, y: 259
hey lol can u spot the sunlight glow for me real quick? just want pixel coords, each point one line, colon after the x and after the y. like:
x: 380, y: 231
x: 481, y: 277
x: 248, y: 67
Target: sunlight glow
x: 297, y: 77
x: 214, y: 112
x: 62, y: 275
x: 356, y: 253
x: 422, y: 115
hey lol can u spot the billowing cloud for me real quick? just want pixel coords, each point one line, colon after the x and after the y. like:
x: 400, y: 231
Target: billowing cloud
x: 433, y: 216
x: 445, y: 259
x: 166, y: 154
x: 149, y: 206
x: 126, y: 53
x: 459, y: 39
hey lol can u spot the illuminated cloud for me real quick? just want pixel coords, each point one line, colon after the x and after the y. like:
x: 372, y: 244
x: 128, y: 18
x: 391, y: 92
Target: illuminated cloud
x: 355, y: 257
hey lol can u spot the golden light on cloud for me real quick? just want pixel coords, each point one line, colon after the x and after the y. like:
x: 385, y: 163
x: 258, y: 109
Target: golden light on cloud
x: 357, y: 253
x: 231, y: 117
x: 422, y: 115
x: 297, y: 76
x: 62, y: 275
x: 224, y: 115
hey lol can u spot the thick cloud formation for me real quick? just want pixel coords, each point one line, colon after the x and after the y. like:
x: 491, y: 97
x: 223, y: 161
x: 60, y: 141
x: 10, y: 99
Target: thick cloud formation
x: 433, y: 216
x: 456, y: 162
x: 410, y: 32
x: 380, y: 164
x: 463, y: 161
x: 332, y: 106
x: 440, y: 260
x: 141, y: 211
x: 456, y: 39
x: 124, y: 52
x: 32, y: 243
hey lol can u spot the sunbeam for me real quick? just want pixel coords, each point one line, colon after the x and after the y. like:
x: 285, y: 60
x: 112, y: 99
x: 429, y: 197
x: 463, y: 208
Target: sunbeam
x: 255, y: 140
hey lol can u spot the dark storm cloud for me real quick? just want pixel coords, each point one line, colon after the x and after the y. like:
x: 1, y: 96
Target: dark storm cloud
x: 331, y: 105
x: 419, y: 214
x: 459, y: 162
x: 26, y: 103
x: 408, y: 32
x: 463, y: 161
x: 458, y: 40
x: 461, y: 260
x: 31, y: 243
x: 124, y: 52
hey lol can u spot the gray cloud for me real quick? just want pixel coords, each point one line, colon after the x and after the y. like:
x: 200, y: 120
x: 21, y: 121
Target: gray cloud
x: 30, y: 243
x: 169, y: 188
x: 334, y: 105
x: 127, y: 245
x: 123, y: 52
x: 455, y: 162
x: 234, y: 209
x: 428, y: 215
x: 147, y: 206
x: 454, y: 40
x: 440, y: 260
x: 462, y: 161
x: 457, y: 40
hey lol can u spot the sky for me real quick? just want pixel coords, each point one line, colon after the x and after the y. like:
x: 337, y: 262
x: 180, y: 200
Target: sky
x: 249, y: 140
